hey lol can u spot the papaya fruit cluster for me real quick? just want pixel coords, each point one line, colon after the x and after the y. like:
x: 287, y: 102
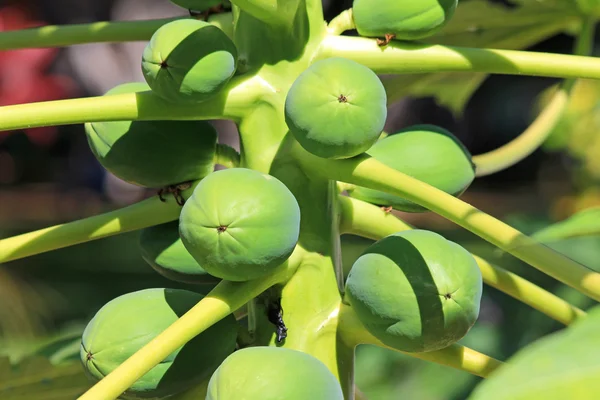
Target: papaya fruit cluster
x: 414, y: 291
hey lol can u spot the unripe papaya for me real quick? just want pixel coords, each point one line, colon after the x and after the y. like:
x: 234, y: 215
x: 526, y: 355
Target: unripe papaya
x: 153, y: 153
x: 273, y: 373
x: 188, y: 60
x: 127, y: 323
x: 240, y: 224
x: 415, y: 291
x: 404, y: 19
x: 425, y: 152
x: 336, y: 108
x: 161, y: 247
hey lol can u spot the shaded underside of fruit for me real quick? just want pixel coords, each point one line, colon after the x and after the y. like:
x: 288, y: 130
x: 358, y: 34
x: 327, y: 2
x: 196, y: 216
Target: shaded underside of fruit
x: 336, y: 108
x: 240, y: 224
x: 188, y: 60
x: 405, y: 19
x: 161, y: 247
x: 127, y: 323
x: 428, y: 153
x: 274, y: 373
x: 415, y: 291
x: 153, y: 153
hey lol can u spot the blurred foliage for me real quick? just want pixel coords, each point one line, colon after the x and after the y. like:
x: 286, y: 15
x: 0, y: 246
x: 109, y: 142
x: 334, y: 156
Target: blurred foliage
x: 562, y: 365
x: 577, y: 131
x: 46, y: 300
x: 38, y: 378
x: 482, y: 23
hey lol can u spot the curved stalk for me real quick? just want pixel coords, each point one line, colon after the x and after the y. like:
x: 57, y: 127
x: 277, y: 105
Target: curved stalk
x: 227, y: 156
x: 366, y: 220
x: 232, y: 103
x: 537, y: 133
x: 223, y: 300
x: 343, y: 22
x: 409, y: 57
x: 140, y: 215
x: 68, y: 35
x: 368, y: 172
x: 352, y: 332
x: 530, y: 140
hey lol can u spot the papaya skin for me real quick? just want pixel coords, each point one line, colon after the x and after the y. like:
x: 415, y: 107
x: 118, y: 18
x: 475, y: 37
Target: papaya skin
x: 415, y: 291
x: 162, y: 249
x: 240, y: 224
x: 336, y: 108
x: 426, y: 152
x: 153, y: 154
x: 402, y: 19
x: 188, y: 61
x: 128, y: 322
x: 275, y: 373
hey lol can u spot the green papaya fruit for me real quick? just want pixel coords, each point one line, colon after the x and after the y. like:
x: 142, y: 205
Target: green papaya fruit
x: 162, y: 249
x: 404, y: 19
x: 153, y: 153
x: 336, y: 108
x: 273, y: 373
x: 428, y: 153
x: 415, y: 291
x: 188, y: 60
x: 240, y: 224
x: 127, y: 323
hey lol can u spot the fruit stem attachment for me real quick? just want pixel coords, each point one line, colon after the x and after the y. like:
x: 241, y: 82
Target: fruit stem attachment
x: 227, y: 156
x: 537, y: 133
x: 144, y: 214
x: 343, y: 22
x: 232, y: 103
x: 68, y: 35
x: 366, y: 220
x: 366, y: 171
x: 408, y: 57
x: 353, y: 333
x: 223, y: 300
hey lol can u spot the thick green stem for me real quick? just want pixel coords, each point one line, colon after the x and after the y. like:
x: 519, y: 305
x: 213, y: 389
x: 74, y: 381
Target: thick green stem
x: 407, y: 57
x: 366, y: 220
x: 68, y: 35
x: 96, y: 32
x: 223, y: 300
x: 352, y: 332
x: 141, y: 215
x: 537, y: 133
x: 232, y: 103
x: 368, y: 172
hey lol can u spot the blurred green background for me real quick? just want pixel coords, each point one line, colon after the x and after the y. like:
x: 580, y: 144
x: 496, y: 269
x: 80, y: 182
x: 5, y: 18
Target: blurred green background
x: 49, y: 176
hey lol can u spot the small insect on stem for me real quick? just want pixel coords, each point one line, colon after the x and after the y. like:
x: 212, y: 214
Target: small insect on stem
x: 388, y: 38
x: 176, y: 191
x: 275, y: 315
x: 388, y: 209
